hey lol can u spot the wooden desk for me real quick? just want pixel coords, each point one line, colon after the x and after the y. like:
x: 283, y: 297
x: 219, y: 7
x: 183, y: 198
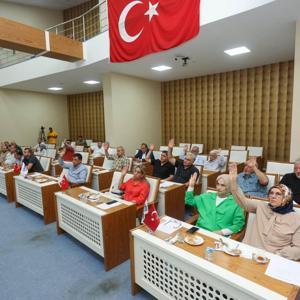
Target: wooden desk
x: 180, y: 271
x: 38, y: 197
x: 104, y: 231
x: 171, y: 201
x: 101, y: 178
x: 208, y: 180
x: 7, y: 184
x: 97, y: 161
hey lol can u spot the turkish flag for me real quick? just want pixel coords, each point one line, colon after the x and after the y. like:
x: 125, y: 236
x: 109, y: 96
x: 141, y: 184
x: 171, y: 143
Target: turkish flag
x: 141, y: 27
x: 17, y: 169
x: 151, y: 219
x: 64, y: 184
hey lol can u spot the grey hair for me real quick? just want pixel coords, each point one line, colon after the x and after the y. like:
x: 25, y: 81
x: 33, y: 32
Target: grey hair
x: 297, y: 161
x: 191, y: 155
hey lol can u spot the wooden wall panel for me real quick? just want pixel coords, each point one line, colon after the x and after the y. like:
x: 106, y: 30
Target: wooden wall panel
x: 86, y: 116
x: 92, y: 21
x: 249, y: 107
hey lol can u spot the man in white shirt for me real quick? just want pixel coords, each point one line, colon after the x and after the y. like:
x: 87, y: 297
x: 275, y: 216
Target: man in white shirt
x: 215, y: 161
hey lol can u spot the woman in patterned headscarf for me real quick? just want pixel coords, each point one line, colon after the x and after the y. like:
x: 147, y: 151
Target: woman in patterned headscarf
x: 276, y: 227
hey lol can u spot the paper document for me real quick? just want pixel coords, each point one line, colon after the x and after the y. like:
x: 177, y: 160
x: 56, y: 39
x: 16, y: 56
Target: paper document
x: 169, y: 225
x: 284, y: 269
x: 166, y: 184
x: 108, y: 206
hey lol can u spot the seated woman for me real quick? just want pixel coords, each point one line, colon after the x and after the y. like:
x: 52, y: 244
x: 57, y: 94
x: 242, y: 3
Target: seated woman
x: 276, y: 227
x: 137, y: 188
x: 218, y: 212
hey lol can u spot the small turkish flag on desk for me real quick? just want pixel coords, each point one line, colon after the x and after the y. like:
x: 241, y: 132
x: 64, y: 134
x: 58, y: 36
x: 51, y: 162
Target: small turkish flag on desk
x: 64, y: 184
x: 151, y: 218
x: 141, y: 27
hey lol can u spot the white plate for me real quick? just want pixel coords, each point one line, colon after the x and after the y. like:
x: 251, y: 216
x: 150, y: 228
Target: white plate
x: 94, y: 196
x: 41, y: 180
x: 232, y: 252
x: 194, y: 240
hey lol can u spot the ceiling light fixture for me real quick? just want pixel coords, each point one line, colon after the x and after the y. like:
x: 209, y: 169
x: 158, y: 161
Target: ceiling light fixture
x: 161, y: 68
x: 237, y: 51
x: 55, y: 88
x: 91, y: 82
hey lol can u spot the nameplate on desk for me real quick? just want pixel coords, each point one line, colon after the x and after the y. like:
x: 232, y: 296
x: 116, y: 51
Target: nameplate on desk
x: 108, y: 206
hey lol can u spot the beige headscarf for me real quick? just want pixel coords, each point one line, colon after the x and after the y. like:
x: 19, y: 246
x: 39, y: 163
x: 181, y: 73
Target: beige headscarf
x: 225, y: 179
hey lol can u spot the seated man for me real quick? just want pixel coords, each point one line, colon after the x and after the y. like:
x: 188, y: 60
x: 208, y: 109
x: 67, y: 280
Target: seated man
x: 18, y: 157
x: 31, y: 162
x: 292, y: 180
x: 252, y: 181
x: 215, y: 161
x: 40, y: 148
x: 137, y: 188
x: 68, y: 151
x: 195, y: 150
x: 162, y: 168
x: 81, y: 142
x: 99, y: 150
x: 218, y: 212
x: 77, y: 172
x: 120, y: 160
x: 143, y: 152
x: 4, y: 152
x: 185, y: 168
x: 10, y: 157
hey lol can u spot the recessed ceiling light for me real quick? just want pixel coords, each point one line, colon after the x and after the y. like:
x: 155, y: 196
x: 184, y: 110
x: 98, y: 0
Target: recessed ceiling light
x: 91, y: 82
x: 237, y: 51
x: 161, y: 68
x: 55, y: 88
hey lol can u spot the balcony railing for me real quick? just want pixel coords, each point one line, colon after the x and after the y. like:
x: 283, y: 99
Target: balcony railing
x: 82, y: 28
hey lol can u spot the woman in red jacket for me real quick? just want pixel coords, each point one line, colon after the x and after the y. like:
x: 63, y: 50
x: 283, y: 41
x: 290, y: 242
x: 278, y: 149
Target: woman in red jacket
x: 137, y: 188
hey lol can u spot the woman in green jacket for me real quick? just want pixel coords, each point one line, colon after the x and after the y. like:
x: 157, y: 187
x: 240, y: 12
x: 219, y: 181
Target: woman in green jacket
x: 218, y: 212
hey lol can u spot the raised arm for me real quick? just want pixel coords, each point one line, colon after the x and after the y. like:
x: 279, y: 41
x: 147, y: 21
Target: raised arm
x: 61, y: 161
x: 172, y: 159
x: 151, y: 149
x: 262, y: 178
x: 189, y: 195
x: 123, y: 174
x: 247, y: 204
x: 105, y: 148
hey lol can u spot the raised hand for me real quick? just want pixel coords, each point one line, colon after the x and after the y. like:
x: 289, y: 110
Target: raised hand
x: 252, y: 162
x: 62, y: 152
x: 185, y: 149
x: 124, y: 171
x: 171, y: 143
x: 193, y: 180
x: 232, y: 171
x: 152, y: 147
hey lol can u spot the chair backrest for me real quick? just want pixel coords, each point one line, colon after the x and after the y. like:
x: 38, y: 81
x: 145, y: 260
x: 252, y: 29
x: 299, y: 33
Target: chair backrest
x: 112, y: 151
x: 108, y: 164
x: 73, y: 144
x: 200, y: 160
x: 51, y: 153
x: 178, y: 151
x: 153, y: 182
x: 94, y: 146
x: 255, y: 151
x: 50, y: 146
x: 46, y: 163
x: 163, y: 148
x: 251, y: 218
x: 182, y: 145
x: 200, y: 146
x: 79, y: 148
x: 38, y: 156
x: 85, y: 157
x: 226, y: 160
x: 156, y: 154
x: 238, y: 156
x: 236, y: 147
x: 224, y: 152
x: 88, y: 142
x: 280, y: 168
x: 273, y: 179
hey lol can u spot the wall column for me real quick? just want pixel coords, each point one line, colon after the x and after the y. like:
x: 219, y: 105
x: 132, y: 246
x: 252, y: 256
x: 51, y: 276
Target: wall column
x: 132, y: 108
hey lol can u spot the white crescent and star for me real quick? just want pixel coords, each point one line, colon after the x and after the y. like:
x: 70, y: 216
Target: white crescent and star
x: 152, y: 11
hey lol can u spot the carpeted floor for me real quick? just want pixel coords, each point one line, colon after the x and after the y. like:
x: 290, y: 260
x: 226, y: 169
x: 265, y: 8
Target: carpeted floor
x: 36, y: 263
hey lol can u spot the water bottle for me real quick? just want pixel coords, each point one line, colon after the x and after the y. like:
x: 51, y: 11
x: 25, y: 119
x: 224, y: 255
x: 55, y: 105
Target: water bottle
x: 209, y: 253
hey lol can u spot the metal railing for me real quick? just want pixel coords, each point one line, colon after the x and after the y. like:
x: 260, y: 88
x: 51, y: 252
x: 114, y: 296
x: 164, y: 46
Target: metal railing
x: 82, y: 28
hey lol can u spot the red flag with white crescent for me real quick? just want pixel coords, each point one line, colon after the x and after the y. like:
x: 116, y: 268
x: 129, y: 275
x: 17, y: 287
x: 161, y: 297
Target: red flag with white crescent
x: 141, y: 27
